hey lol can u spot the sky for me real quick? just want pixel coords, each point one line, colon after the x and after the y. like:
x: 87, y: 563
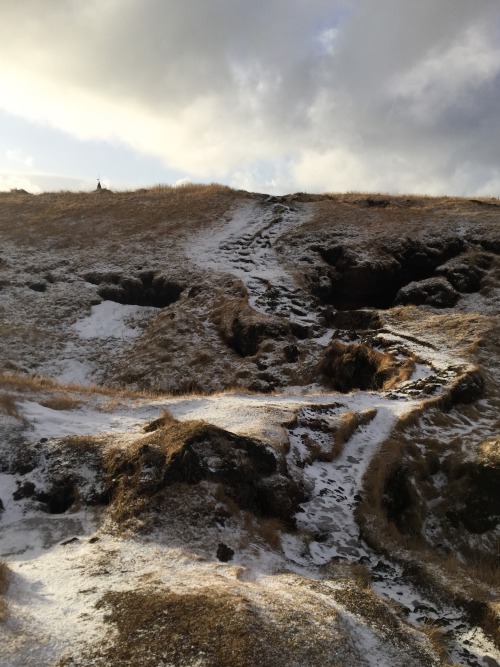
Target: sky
x: 272, y: 96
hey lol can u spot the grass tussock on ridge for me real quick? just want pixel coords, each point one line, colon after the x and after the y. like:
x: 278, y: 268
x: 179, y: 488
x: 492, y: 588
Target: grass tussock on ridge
x: 27, y: 383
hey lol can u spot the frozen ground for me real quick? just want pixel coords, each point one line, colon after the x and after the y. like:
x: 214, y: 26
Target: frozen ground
x: 62, y: 565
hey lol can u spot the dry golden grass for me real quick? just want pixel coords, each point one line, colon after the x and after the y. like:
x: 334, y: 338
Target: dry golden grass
x: 357, y: 572
x: 458, y: 332
x: 266, y: 529
x: 437, y: 638
x: 8, y: 405
x: 401, y: 211
x: 27, y: 383
x: 76, y: 219
x: 4, y: 584
x: 61, y: 402
x: 217, y: 625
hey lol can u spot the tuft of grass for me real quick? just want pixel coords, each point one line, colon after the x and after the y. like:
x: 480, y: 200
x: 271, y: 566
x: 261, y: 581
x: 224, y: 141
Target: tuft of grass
x: 8, y: 406
x: 61, y: 402
x: 267, y: 529
x: 357, y: 366
x: 4, y: 584
x: 437, y: 638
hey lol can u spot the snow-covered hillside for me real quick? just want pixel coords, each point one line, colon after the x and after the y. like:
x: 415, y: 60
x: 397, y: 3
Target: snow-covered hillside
x: 240, y: 429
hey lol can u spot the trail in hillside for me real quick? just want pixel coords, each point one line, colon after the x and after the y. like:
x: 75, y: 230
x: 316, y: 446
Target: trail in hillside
x: 244, y: 248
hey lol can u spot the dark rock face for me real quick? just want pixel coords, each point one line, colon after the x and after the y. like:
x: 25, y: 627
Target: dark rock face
x: 465, y: 272
x: 435, y: 292
x: 468, y: 388
x: 357, y: 320
x: 397, y: 498
x: 24, y: 490
x: 224, y: 553
x: 382, y: 275
x: 145, y: 289
x: 246, y: 335
x: 38, y: 286
x: 60, y: 467
x: 479, y: 508
x: 291, y: 353
x: 252, y: 475
x: 363, y: 284
x: 60, y: 497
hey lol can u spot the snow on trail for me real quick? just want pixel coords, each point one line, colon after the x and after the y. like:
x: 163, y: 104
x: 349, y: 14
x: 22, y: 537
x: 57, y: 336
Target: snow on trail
x: 244, y: 247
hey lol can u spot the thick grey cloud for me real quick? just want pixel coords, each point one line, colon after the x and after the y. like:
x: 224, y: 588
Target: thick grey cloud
x: 316, y: 94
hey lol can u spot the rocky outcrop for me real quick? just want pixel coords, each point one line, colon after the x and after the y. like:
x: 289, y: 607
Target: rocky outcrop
x: 403, y: 271
x: 58, y: 475
x: 251, y: 474
x: 466, y: 271
x: 435, y: 292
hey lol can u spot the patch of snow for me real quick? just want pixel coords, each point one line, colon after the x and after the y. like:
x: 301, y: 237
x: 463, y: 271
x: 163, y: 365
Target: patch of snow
x: 112, y: 320
x: 47, y: 423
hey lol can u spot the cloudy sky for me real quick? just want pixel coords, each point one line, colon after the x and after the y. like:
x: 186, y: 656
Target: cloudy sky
x: 268, y: 95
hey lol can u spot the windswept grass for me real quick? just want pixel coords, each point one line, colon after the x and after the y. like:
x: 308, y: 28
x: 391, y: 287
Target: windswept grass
x: 61, y: 402
x: 4, y: 584
x: 28, y: 383
x: 76, y: 219
x: 8, y: 405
